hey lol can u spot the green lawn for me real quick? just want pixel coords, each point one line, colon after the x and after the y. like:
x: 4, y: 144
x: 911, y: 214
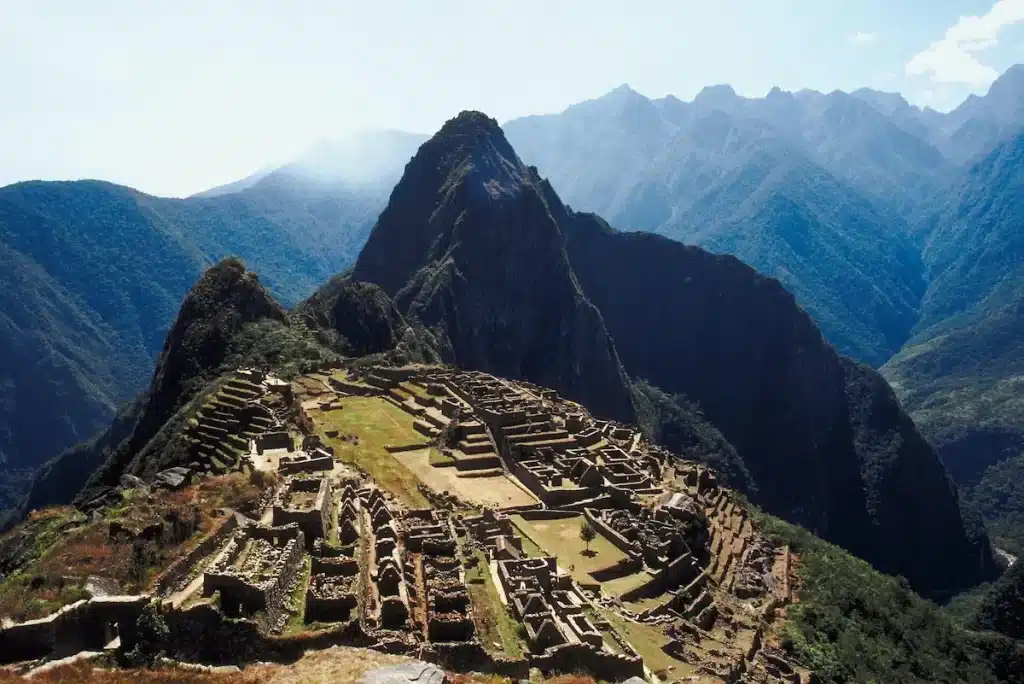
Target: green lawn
x: 648, y: 642
x: 561, y: 538
x: 297, y: 600
x: 494, y: 624
x: 621, y: 585
x: 439, y: 460
x: 376, y: 423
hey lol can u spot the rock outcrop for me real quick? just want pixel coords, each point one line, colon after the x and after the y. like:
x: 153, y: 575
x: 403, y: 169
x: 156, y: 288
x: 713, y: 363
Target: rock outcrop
x: 219, y: 308
x: 825, y: 440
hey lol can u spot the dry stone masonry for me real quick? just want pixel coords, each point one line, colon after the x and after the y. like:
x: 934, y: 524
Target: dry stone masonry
x: 673, y: 584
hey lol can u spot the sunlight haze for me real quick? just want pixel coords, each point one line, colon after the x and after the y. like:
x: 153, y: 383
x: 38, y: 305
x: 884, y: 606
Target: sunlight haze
x: 173, y: 98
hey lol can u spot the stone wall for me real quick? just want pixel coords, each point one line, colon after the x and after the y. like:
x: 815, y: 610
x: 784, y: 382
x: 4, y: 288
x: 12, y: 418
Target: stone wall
x: 679, y: 572
x: 243, y: 594
x: 180, y: 572
x: 576, y: 658
x: 280, y: 439
x: 353, y: 389
x: 313, y: 522
x: 605, y: 530
x: 82, y: 626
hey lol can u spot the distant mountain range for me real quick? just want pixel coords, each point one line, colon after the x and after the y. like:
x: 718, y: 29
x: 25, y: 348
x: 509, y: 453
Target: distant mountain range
x: 893, y: 226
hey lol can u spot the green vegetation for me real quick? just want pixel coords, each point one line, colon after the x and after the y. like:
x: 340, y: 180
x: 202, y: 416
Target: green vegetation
x: 374, y: 423
x: 560, y: 537
x: 854, y: 624
x: 440, y: 460
x: 587, y: 534
x: 493, y: 621
x: 648, y: 642
x: 679, y: 425
x: 153, y: 635
x: 92, y: 275
x: 228, y: 320
x: 962, y: 373
x: 48, y: 558
x: 297, y: 600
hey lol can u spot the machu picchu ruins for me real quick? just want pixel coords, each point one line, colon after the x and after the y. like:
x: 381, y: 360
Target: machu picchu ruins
x: 486, y: 523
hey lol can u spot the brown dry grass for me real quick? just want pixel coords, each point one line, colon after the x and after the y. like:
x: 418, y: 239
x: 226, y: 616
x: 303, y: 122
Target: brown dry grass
x: 339, y: 665
x: 67, y: 559
x: 86, y: 673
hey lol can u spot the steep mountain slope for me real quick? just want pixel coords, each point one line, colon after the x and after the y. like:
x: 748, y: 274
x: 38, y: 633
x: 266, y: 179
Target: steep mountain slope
x: 481, y: 250
x: 783, y: 182
x: 227, y: 320
x: 1002, y: 608
x: 980, y: 122
x: 95, y: 274
x: 961, y: 373
x: 823, y: 437
x: 467, y: 246
x: 847, y: 262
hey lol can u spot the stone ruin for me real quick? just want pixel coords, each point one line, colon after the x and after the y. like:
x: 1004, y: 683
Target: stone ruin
x: 333, y: 589
x: 388, y: 604
x: 701, y: 572
x: 306, y: 502
x: 547, y: 604
x: 496, y: 534
x: 255, y: 569
x: 564, y: 459
x: 438, y: 577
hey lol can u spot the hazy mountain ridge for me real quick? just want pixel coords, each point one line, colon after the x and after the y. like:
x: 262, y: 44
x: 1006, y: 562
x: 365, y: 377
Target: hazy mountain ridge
x: 96, y: 273
x: 961, y: 373
x: 710, y: 173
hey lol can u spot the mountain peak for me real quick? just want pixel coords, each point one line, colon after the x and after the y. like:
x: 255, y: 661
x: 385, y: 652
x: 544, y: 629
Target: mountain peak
x: 719, y: 96
x: 1006, y: 93
x: 470, y: 122
x: 1014, y: 76
x: 468, y: 246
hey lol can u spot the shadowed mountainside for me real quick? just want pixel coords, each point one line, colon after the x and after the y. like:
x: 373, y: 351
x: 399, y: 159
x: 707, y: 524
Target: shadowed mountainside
x: 93, y: 274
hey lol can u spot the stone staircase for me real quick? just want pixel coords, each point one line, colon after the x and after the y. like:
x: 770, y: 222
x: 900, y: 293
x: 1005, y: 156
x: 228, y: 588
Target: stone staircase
x: 226, y: 423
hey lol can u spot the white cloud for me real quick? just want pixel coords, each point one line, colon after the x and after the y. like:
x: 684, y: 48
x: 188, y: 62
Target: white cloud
x: 862, y: 39
x: 953, y: 59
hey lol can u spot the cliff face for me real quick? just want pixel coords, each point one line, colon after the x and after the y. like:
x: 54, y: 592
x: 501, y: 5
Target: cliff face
x: 825, y: 440
x: 468, y: 247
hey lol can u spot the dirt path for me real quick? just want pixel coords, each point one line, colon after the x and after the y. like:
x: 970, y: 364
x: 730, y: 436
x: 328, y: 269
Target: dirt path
x: 178, y: 597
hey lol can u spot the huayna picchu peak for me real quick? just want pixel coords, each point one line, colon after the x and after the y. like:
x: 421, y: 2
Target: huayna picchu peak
x: 467, y: 246
x: 513, y: 440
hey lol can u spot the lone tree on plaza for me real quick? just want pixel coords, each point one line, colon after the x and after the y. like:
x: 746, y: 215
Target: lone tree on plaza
x: 587, y: 534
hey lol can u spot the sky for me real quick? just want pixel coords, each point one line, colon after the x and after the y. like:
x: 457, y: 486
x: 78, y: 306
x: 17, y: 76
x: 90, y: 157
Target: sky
x: 176, y: 96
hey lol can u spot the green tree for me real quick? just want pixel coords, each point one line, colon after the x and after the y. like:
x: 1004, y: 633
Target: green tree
x: 587, y: 533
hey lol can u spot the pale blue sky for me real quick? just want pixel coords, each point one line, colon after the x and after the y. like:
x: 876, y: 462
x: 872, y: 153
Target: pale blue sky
x: 175, y: 97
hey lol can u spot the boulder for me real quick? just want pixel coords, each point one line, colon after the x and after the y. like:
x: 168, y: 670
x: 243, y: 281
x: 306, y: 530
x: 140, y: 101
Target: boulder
x: 132, y: 482
x: 418, y: 672
x: 172, y: 478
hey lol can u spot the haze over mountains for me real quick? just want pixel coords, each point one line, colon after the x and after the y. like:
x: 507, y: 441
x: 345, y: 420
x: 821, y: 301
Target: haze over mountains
x: 894, y: 228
